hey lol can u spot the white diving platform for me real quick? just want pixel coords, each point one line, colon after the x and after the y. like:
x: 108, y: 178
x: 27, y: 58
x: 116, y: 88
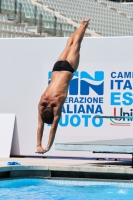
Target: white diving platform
x: 120, y: 146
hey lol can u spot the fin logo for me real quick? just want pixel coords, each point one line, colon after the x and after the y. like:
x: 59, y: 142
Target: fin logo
x: 82, y: 82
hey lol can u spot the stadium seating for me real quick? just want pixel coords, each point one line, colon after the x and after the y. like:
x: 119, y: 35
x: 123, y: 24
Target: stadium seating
x: 63, y: 27
x: 104, y: 19
x: 107, y: 18
x: 8, y: 29
x: 120, y: 7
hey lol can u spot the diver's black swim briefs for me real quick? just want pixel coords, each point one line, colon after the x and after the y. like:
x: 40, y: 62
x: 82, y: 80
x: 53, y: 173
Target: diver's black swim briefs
x: 63, y: 66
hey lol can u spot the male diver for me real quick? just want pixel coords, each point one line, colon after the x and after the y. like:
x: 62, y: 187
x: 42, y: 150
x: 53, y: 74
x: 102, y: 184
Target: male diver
x: 52, y: 100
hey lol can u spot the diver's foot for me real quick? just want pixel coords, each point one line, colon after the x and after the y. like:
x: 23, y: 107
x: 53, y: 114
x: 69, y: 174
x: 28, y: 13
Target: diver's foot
x: 85, y: 21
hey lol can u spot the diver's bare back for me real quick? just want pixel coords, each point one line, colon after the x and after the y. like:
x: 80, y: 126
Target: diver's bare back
x: 56, y: 92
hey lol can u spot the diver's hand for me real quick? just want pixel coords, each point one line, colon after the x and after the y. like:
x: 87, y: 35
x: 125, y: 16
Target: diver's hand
x: 41, y: 150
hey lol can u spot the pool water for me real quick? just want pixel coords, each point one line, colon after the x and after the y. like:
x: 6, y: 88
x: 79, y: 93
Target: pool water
x: 64, y: 190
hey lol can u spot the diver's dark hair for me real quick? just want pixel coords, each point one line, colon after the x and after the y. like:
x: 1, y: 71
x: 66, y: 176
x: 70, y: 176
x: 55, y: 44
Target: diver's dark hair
x: 47, y: 115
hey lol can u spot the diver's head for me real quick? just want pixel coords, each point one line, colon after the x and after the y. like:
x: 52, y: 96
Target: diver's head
x: 47, y: 115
